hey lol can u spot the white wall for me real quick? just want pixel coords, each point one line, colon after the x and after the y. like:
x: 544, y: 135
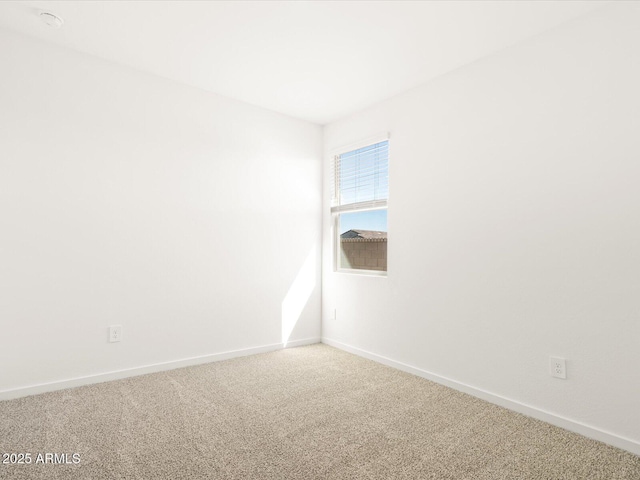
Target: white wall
x: 129, y: 199
x: 514, y: 228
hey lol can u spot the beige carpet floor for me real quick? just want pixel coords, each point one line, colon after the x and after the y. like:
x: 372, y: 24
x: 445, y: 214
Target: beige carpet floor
x: 304, y: 413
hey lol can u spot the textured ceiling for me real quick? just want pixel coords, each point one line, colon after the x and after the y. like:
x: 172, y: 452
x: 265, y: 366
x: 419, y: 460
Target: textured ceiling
x: 318, y: 61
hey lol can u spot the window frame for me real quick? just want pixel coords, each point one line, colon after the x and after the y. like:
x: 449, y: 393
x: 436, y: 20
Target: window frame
x: 335, y: 215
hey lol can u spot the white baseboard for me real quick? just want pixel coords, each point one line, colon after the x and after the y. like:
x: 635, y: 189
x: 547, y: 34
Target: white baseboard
x: 302, y: 342
x: 529, y: 410
x: 145, y: 369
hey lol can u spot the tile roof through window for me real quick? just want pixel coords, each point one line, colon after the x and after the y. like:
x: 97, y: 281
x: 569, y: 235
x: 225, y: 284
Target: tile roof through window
x: 364, y: 236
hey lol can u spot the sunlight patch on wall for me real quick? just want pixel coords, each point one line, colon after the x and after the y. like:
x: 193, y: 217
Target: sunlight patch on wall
x: 298, y: 295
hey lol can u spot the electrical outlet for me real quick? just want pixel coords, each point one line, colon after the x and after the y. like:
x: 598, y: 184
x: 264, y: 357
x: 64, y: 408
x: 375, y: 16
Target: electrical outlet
x: 557, y: 367
x: 115, y: 333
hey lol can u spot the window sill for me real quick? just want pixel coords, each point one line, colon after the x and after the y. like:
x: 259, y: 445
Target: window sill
x: 361, y: 273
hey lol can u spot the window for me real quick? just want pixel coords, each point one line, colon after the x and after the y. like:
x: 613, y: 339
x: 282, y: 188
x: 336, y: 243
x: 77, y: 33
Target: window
x: 359, y: 207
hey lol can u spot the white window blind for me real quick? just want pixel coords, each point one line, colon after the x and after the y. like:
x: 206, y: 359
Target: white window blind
x: 361, y: 178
